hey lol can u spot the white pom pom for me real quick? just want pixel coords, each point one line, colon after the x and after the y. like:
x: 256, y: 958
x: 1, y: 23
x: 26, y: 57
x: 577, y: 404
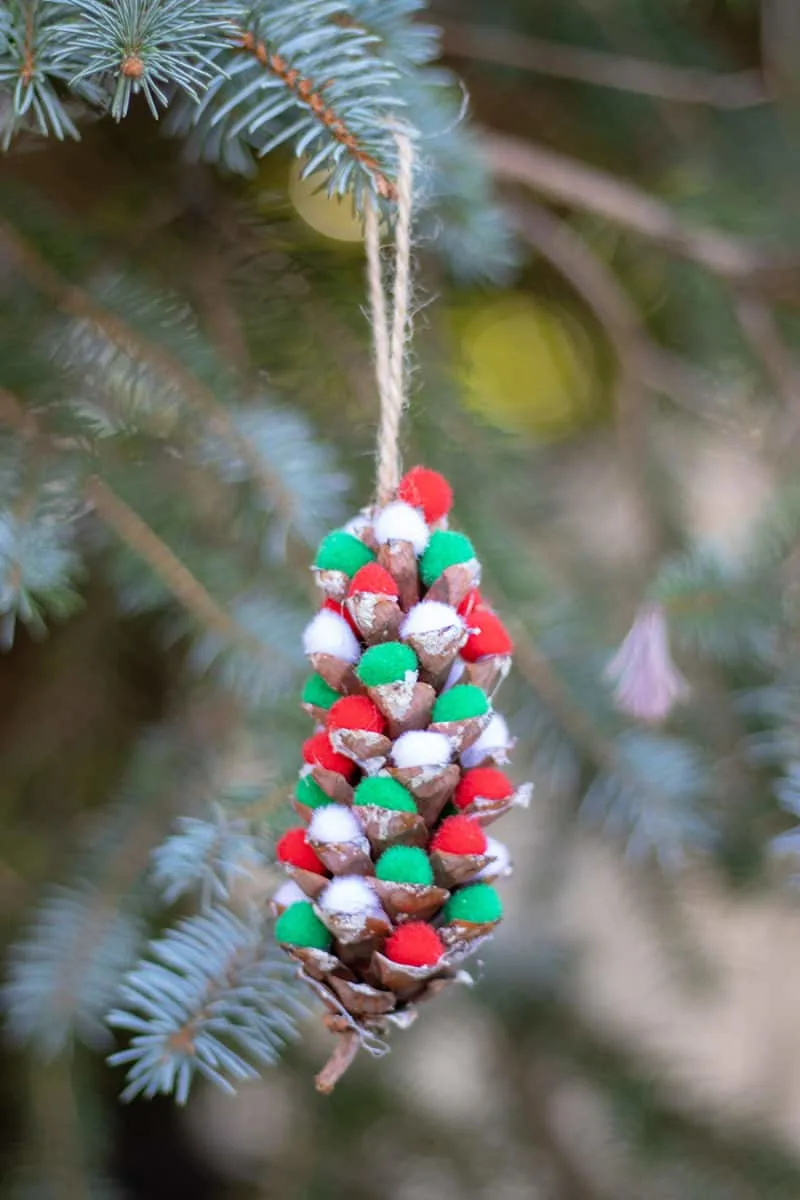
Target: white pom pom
x: 494, y: 740
x: 333, y: 823
x: 349, y: 895
x: 399, y: 522
x: 358, y: 525
x: 501, y: 856
x: 328, y: 633
x: 288, y: 893
x: 429, y: 616
x: 421, y: 748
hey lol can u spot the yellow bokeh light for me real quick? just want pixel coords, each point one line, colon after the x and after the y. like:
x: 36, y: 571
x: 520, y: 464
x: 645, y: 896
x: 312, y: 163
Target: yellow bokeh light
x: 331, y: 216
x: 527, y: 366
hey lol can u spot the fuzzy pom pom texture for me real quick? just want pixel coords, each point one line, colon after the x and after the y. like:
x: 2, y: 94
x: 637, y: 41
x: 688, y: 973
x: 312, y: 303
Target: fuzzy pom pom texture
x: 384, y: 785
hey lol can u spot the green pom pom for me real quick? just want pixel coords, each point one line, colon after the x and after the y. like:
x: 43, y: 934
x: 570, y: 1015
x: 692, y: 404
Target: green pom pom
x: 384, y: 792
x: 299, y: 925
x: 445, y: 549
x: 317, y: 692
x: 404, y: 864
x: 309, y: 792
x: 386, y: 663
x: 342, y: 551
x: 463, y: 700
x: 479, y: 902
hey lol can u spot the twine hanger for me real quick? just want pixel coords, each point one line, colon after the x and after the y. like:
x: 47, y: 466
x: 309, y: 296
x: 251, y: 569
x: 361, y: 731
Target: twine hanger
x: 389, y: 337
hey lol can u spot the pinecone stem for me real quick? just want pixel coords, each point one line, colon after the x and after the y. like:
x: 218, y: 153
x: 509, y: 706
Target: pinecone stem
x: 345, y: 1051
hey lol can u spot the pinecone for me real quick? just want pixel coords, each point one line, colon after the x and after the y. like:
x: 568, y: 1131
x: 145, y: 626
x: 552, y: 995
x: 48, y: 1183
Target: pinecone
x: 391, y: 871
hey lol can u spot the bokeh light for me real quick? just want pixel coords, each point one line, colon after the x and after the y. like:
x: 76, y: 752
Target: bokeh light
x: 331, y: 216
x: 526, y: 366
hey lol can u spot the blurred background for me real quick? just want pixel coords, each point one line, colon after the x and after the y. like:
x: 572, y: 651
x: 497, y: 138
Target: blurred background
x: 606, y: 368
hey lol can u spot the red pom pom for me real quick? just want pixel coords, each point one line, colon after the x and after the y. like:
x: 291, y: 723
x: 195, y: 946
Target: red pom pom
x: 355, y: 712
x: 428, y: 490
x: 489, y: 636
x: 375, y: 579
x: 414, y: 945
x: 482, y: 781
x: 339, y: 608
x: 293, y: 848
x: 471, y: 601
x: 318, y: 752
x: 459, y: 835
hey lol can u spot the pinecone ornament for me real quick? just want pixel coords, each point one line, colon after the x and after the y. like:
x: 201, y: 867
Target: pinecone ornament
x: 391, y: 872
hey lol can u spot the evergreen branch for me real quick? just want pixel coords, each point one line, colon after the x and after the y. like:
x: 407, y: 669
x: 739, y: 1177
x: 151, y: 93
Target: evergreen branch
x: 206, y: 857
x: 76, y: 302
x: 64, y: 974
x: 567, y: 181
x: 145, y: 47
x: 311, y: 96
x: 212, y: 1000
x: 138, y: 535
x: 661, y: 81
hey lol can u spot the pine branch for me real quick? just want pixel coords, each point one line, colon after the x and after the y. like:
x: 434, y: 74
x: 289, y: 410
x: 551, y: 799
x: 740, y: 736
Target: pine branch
x: 307, y: 94
x: 75, y: 302
x: 212, y: 1000
x: 167, y: 566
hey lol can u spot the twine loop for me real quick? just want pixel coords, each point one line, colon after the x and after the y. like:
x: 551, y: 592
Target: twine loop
x: 389, y: 335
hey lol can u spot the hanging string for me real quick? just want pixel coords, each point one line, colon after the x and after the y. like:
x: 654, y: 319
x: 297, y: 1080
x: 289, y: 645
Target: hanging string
x: 389, y: 339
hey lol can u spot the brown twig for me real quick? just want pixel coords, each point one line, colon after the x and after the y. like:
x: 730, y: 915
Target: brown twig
x: 311, y: 96
x: 580, y: 186
x: 77, y: 303
x: 662, y: 81
x: 138, y: 535
x: 344, y: 1052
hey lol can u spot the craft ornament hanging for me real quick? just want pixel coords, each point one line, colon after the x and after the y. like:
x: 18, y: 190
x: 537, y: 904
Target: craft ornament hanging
x: 391, y: 872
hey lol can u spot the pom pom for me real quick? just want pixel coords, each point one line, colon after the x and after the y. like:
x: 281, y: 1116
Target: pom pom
x: 414, y: 945
x: 489, y: 636
x: 318, y: 693
x: 427, y: 490
x: 400, y: 522
x: 421, y: 748
x: 384, y: 792
x: 318, y: 752
x: 350, y: 896
x: 404, y: 864
x: 342, y: 551
x: 459, y: 835
x: 333, y: 823
x: 309, y: 793
x: 356, y: 712
x: 495, y: 737
x: 471, y: 601
x: 336, y: 606
x: 299, y: 925
x: 482, y: 781
x: 477, y: 902
x: 429, y: 616
x: 374, y: 579
x: 462, y: 701
x: 387, y: 663
x: 445, y: 549
x: 329, y: 633
x: 293, y: 849
x: 288, y: 893
x: 500, y: 856
x: 358, y: 525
